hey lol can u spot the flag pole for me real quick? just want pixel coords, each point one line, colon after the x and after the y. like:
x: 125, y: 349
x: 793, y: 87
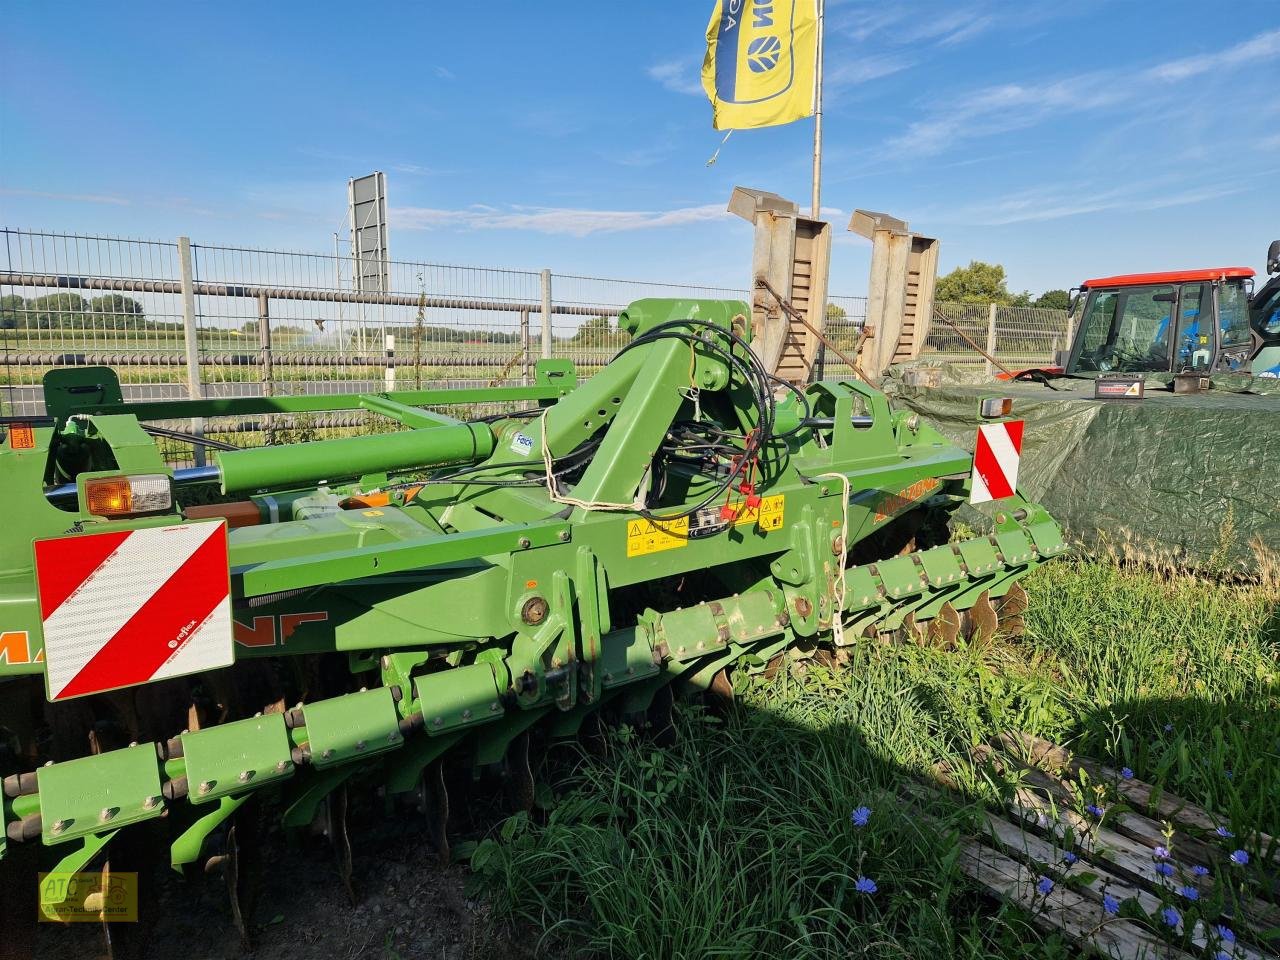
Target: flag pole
x: 817, y: 121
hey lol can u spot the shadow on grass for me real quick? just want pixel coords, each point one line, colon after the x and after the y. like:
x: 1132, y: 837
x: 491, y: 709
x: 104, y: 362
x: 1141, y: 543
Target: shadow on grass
x: 780, y: 832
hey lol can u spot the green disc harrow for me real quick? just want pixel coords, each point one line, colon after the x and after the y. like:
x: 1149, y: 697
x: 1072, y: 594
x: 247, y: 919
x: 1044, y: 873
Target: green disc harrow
x: 441, y: 594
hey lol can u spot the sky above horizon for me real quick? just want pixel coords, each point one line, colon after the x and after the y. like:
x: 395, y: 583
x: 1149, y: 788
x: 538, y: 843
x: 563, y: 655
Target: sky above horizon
x: 1062, y: 140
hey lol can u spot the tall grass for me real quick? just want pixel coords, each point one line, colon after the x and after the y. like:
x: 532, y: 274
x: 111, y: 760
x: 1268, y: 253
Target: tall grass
x: 738, y: 841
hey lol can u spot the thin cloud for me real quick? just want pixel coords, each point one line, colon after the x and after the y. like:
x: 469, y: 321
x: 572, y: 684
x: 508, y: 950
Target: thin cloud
x: 415, y: 169
x: 1265, y: 46
x: 1006, y: 107
x: 73, y: 197
x: 1015, y: 106
x: 860, y: 70
x: 900, y: 25
x: 678, y: 76
x: 444, y: 73
x: 1037, y: 206
x: 552, y: 220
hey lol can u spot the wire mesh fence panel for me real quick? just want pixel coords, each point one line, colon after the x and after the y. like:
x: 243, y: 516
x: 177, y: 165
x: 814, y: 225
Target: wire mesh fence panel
x: 280, y: 323
x: 1017, y: 337
x: 585, y: 327
x: 1029, y: 336
x: 129, y: 316
x: 846, y: 316
x: 957, y: 333
x: 309, y: 330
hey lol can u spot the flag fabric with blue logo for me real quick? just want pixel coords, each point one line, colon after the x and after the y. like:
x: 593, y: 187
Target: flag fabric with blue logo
x: 760, y: 62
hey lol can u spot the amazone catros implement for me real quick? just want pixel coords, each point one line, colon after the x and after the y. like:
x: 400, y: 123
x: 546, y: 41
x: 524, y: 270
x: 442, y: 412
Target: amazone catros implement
x: 379, y: 605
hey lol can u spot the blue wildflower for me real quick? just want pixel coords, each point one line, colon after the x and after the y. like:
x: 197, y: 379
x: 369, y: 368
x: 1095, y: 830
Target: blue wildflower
x: 1200, y: 871
x: 1170, y: 916
x: 1224, y: 832
x: 1094, y: 809
x: 1069, y: 858
x: 1164, y: 869
x: 865, y: 885
x: 1226, y: 933
x: 860, y: 816
x: 1162, y: 852
x: 1191, y: 893
x: 1045, y: 886
x: 1240, y: 858
x: 1230, y: 774
x: 1168, y: 728
x: 1126, y: 773
x: 1110, y: 904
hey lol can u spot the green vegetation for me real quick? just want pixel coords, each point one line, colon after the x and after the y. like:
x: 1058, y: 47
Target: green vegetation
x: 738, y: 841
x: 986, y: 283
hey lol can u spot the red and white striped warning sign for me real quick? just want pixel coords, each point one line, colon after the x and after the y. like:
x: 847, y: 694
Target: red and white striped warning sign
x: 995, y: 461
x: 131, y: 606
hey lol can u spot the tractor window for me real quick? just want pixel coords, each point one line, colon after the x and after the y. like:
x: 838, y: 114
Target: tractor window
x: 1194, y: 344
x: 1233, y: 313
x: 1127, y: 330
x: 1268, y: 312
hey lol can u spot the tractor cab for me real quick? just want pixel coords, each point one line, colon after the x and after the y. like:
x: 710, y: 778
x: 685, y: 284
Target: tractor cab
x: 1264, y: 317
x: 1188, y: 320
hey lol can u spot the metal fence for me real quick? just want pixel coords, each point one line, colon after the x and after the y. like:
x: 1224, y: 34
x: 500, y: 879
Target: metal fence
x: 1017, y: 337
x: 180, y: 319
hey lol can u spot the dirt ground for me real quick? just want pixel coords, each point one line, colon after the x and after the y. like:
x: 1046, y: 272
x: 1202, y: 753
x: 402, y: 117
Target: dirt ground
x: 409, y: 908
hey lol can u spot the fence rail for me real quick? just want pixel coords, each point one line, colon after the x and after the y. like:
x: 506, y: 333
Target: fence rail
x: 179, y: 319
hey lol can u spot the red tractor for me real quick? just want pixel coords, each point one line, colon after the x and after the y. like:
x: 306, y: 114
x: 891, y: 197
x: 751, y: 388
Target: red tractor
x: 1205, y: 321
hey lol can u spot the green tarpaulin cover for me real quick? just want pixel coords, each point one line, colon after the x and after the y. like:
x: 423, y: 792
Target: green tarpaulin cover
x: 1179, y: 479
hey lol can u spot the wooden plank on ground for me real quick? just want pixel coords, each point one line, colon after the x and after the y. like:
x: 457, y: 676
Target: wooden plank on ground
x: 1063, y: 910
x: 1046, y: 858
x: 1144, y: 796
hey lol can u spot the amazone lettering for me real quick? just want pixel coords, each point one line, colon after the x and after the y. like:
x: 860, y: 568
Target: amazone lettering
x: 270, y: 631
x: 762, y: 16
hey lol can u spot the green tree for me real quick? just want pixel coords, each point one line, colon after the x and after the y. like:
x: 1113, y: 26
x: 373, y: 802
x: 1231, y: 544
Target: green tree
x: 979, y: 283
x: 117, y: 305
x: 1053, y: 300
x: 596, y: 332
x: 58, y: 310
x: 12, y: 314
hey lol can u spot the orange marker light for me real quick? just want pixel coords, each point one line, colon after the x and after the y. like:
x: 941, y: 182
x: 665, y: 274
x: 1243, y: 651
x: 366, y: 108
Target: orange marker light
x: 127, y: 496
x: 21, y: 436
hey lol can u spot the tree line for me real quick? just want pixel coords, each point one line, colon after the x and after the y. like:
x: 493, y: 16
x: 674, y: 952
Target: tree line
x: 986, y: 283
x: 56, y: 311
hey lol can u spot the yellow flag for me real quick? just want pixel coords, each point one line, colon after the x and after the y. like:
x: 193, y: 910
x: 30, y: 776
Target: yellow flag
x: 760, y: 60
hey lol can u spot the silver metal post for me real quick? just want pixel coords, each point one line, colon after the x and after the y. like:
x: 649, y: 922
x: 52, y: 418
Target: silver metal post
x: 546, y: 313
x: 264, y: 345
x: 817, y: 122
x: 195, y: 389
x: 991, y: 340
x: 526, y: 356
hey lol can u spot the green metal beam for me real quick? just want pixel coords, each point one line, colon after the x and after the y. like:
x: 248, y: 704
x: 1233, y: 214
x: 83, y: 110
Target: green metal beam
x: 343, y: 566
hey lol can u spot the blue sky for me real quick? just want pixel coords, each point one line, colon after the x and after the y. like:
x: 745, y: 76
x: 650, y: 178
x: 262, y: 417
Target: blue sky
x: 1064, y: 139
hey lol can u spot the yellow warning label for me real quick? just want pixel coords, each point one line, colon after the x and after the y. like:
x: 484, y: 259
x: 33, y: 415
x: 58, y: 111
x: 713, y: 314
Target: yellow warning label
x: 769, y: 516
x: 645, y: 537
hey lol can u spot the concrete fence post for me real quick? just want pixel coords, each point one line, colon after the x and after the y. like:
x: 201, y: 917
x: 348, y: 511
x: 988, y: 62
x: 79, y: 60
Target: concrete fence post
x: 195, y: 387
x: 546, y: 313
x: 991, y: 340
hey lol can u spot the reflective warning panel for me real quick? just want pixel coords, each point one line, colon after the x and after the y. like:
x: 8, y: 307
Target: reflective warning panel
x: 132, y: 606
x: 995, y: 461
